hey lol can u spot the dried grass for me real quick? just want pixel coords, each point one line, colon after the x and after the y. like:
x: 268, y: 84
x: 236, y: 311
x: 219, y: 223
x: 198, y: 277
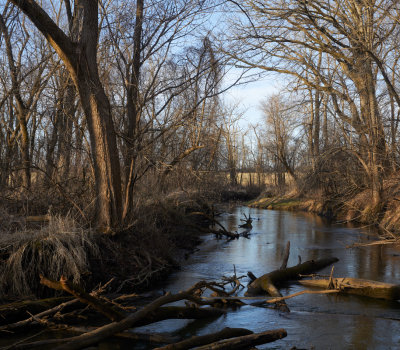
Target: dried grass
x: 61, y: 248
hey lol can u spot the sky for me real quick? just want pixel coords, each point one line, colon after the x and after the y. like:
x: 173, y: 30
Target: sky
x: 248, y: 97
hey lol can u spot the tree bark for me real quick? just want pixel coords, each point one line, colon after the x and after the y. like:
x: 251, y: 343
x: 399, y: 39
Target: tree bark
x: 80, y: 59
x: 20, y: 108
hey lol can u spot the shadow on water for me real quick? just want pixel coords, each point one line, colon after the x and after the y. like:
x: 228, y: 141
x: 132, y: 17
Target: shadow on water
x: 318, y: 321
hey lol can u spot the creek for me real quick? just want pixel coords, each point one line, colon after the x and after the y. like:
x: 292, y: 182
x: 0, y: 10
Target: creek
x: 316, y: 321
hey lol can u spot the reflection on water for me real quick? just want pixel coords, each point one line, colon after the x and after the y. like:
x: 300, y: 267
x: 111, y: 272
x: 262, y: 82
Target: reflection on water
x: 319, y: 321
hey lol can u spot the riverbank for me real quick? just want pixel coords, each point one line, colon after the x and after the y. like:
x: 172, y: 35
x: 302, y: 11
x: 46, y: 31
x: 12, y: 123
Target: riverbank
x: 315, y: 321
x: 354, y: 207
x: 163, y: 234
x: 292, y: 203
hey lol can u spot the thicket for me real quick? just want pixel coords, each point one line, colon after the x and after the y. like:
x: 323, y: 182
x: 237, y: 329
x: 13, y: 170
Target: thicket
x: 104, y: 113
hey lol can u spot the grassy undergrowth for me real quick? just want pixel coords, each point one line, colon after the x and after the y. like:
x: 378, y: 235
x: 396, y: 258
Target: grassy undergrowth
x: 60, y: 248
x: 158, y: 237
x: 277, y: 203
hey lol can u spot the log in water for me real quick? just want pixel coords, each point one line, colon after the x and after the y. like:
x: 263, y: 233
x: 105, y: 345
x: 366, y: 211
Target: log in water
x: 368, y: 288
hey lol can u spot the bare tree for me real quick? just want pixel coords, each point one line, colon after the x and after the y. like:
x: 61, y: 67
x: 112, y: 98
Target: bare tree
x: 331, y: 47
x: 282, y: 125
x: 80, y: 59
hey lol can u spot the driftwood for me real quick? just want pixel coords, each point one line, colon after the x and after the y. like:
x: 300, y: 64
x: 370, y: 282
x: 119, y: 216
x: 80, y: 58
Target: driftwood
x: 327, y: 291
x: 246, y: 341
x: 266, y: 283
x: 179, y: 312
x: 51, y: 311
x: 248, y: 220
x: 251, y: 276
x: 18, y: 310
x: 220, y: 232
x: 372, y: 289
x: 83, y: 337
x: 207, y: 339
x: 103, y: 307
x: 108, y: 330
x: 285, y: 256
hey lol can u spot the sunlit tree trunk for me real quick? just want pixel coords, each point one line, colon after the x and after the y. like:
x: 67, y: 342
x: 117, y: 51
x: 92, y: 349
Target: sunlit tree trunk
x: 80, y: 59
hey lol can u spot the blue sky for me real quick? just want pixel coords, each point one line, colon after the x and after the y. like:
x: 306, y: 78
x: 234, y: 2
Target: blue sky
x: 249, y: 96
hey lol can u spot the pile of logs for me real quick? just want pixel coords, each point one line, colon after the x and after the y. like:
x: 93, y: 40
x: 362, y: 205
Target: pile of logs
x: 122, y: 319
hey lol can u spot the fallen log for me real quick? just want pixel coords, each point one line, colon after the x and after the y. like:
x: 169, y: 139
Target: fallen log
x: 247, y: 221
x: 207, y: 339
x: 368, y: 288
x: 49, y: 312
x: 179, y: 312
x: 246, y: 341
x: 18, y: 310
x: 103, y: 307
x: 108, y: 330
x: 148, y: 338
x: 219, y: 233
x: 266, y: 283
x: 274, y: 300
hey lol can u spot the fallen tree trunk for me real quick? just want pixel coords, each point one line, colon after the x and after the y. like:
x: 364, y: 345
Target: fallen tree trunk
x: 266, y: 283
x: 179, y: 312
x: 246, y: 341
x: 103, y: 307
x: 108, y: 330
x: 368, y: 288
x: 18, y: 310
x: 24, y: 323
x: 207, y: 339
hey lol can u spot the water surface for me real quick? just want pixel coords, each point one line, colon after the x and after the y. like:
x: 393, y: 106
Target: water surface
x: 315, y: 321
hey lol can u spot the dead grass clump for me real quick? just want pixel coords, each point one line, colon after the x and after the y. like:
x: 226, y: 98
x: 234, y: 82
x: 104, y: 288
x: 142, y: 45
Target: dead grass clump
x: 61, y: 248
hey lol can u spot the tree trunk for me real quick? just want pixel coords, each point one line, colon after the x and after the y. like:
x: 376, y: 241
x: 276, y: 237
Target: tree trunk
x: 133, y: 110
x: 104, y: 150
x: 80, y: 59
x: 65, y: 139
x: 365, y: 83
